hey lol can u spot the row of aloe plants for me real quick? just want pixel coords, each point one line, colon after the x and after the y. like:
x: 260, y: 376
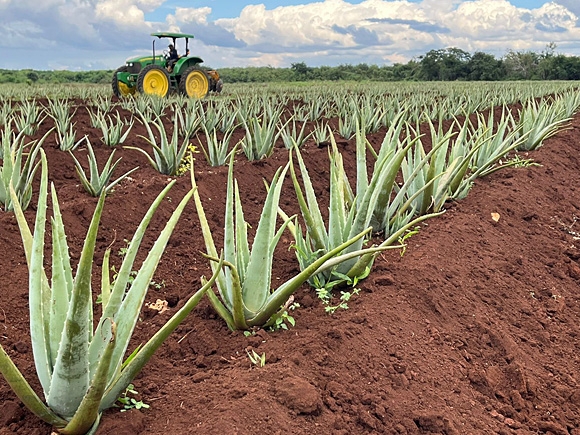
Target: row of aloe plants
x: 381, y: 102
x: 539, y: 117
x: 533, y: 123
x: 329, y: 253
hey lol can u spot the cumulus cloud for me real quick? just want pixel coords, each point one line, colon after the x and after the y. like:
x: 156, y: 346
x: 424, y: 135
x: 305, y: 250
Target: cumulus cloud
x: 321, y: 32
x: 554, y: 18
x: 341, y: 28
x: 194, y: 21
x: 572, y: 5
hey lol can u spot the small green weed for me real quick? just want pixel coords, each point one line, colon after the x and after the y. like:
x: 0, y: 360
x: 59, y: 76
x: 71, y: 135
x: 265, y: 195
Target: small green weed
x: 409, y: 233
x: 344, y: 298
x: 128, y: 402
x: 123, y: 251
x: 285, y: 319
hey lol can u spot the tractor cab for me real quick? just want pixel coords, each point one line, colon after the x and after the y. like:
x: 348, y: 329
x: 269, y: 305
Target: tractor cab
x: 158, y: 74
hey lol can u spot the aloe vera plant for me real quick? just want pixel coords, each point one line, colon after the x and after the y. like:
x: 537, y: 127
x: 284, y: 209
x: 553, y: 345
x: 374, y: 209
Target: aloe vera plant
x: 82, y: 373
x: 348, y: 217
x: 16, y: 171
x: 245, y: 298
x: 539, y: 121
x: 97, y: 182
x: 293, y: 137
x: 112, y: 129
x: 440, y: 174
x: 167, y: 153
x: 216, y: 150
x: 261, y: 136
x: 496, y: 141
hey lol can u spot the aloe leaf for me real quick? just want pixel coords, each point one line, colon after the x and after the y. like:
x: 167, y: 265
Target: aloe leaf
x: 70, y: 379
x: 256, y: 286
x: 336, y: 217
x: 87, y: 413
x: 110, y: 186
x: 335, y: 261
x: 206, y: 230
x: 149, y: 158
x: 39, y: 292
x: 105, y: 280
x: 118, y: 291
x: 221, y: 310
x: 238, y: 307
x: 309, y: 206
x: 146, y: 352
x: 25, y: 392
x: 128, y: 313
x: 62, y: 279
x: 241, y: 238
x: 362, y: 182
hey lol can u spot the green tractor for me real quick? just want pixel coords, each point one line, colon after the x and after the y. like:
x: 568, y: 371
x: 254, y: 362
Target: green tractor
x: 160, y: 74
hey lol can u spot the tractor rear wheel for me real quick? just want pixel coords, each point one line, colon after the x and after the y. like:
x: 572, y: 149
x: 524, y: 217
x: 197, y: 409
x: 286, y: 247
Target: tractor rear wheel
x: 120, y: 89
x: 153, y: 80
x: 194, y: 83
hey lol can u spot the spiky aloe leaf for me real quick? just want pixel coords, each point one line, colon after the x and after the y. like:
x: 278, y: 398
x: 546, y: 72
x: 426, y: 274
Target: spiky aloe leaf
x: 128, y: 313
x: 70, y: 379
x: 88, y: 412
x: 118, y: 291
x: 39, y: 292
x: 62, y: 280
x: 309, y: 204
x: 25, y: 392
x: 134, y: 366
x: 256, y: 286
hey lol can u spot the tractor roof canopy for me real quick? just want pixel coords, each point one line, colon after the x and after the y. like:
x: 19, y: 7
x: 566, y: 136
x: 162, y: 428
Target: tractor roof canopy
x: 171, y: 35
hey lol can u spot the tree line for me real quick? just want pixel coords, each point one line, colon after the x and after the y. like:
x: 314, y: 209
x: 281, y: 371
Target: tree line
x: 448, y: 64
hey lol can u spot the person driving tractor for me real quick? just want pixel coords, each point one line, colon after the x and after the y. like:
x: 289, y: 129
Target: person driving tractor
x: 172, y: 58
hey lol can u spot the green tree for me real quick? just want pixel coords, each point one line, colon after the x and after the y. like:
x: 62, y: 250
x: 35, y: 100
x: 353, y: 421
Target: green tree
x: 444, y: 64
x: 484, y: 66
x: 301, y: 70
x: 521, y: 64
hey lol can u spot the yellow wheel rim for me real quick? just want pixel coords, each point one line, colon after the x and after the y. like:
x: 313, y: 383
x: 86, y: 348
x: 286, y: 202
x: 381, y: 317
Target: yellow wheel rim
x: 124, y: 89
x: 155, y: 83
x: 196, y: 84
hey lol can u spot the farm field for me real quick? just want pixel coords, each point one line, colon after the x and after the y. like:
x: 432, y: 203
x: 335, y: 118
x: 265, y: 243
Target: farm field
x: 473, y: 329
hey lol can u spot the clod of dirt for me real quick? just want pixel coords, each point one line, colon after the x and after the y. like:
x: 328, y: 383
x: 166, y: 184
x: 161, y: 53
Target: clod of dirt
x: 299, y: 395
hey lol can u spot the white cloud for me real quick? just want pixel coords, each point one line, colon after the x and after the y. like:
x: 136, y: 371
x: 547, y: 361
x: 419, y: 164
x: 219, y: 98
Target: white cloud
x: 128, y: 15
x: 485, y: 19
x: 323, y: 32
x: 552, y: 16
x: 189, y: 16
x: 383, y: 29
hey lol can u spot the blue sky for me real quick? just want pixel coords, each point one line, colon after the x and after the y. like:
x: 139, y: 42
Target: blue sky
x: 232, y: 8
x: 101, y: 34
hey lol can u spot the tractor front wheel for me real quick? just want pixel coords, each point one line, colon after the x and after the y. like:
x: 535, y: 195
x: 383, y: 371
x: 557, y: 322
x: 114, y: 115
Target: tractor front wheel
x: 194, y: 83
x: 121, y: 89
x: 153, y: 80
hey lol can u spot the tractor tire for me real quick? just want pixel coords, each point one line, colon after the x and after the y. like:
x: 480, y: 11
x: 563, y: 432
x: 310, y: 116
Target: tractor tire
x: 121, y: 89
x: 154, y: 80
x: 194, y: 83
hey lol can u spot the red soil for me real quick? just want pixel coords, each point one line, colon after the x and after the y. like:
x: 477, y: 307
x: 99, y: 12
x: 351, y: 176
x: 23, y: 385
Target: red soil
x: 475, y: 330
